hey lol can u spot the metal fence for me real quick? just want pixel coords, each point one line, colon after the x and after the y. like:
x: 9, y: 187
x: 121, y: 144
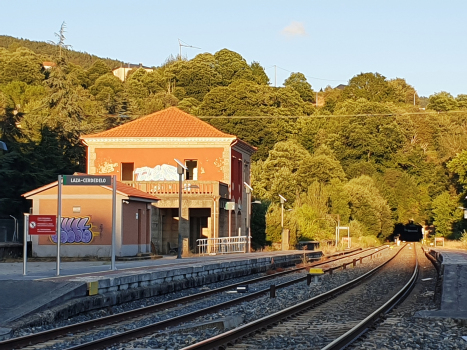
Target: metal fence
x: 8, y: 230
x: 222, y: 245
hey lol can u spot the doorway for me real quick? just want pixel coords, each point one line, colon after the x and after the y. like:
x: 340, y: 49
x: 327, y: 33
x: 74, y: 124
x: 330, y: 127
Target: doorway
x: 198, y: 221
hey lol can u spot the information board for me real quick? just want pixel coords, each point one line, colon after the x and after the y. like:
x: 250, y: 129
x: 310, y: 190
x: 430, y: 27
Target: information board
x: 42, y: 224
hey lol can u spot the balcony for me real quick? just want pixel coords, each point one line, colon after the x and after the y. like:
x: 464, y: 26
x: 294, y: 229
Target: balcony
x: 170, y: 188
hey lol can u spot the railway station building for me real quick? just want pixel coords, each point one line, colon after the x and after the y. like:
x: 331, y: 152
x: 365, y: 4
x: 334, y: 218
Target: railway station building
x: 142, y: 154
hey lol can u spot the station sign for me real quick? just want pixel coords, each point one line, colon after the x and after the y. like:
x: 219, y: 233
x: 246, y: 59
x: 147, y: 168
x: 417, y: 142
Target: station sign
x: 42, y: 224
x: 87, y: 180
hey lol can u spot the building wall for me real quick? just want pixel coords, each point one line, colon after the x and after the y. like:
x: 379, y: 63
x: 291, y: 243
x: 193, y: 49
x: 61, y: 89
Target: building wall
x: 243, y: 167
x: 236, y: 184
x: 210, y: 161
x: 87, y: 214
x: 122, y: 72
x: 136, y: 227
x: 104, y: 156
x: 217, y: 161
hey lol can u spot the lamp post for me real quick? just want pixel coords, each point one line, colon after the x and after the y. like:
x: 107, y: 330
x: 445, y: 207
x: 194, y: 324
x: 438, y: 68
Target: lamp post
x: 248, y: 190
x: 338, y: 224
x: 180, y: 171
x: 283, y: 200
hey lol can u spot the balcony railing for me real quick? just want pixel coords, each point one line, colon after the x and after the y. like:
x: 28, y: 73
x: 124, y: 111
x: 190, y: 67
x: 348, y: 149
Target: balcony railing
x: 214, y: 188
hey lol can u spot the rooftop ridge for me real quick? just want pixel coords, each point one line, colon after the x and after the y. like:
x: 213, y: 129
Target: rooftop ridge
x: 170, y: 122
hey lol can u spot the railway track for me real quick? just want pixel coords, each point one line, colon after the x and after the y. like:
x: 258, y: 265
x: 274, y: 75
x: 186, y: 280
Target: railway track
x: 67, y: 334
x: 331, y: 320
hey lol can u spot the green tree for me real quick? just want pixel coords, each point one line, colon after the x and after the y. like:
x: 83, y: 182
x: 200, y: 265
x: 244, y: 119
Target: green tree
x: 298, y: 82
x: 442, y: 102
x: 371, y: 86
x: 369, y: 207
x: 461, y: 100
x: 232, y: 66
x: 109, y: 90
x: 21, y: 65
x: 331, y: 97
x: 259, y: 74
x: 402, y: 92
x: 322, y: 167
x: 444, y: 214
x: 97, y: 70
x: 362, y: 106
x: 280, y: 171
x: 339, y: 200
x: 458, y: 166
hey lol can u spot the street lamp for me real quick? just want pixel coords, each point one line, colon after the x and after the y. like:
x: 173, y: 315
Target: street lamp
x: 338, y: 224
x: 180, y: 171
x: 283, y: 200
x: 248, y: 190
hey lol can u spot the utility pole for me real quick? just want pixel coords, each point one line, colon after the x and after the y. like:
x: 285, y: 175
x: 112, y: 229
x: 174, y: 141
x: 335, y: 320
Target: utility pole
x: 185, y: 45
x: 275, y: 75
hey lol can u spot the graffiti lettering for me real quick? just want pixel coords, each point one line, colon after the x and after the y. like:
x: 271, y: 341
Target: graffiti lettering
x: 158, y: 173
x: 75, y: 230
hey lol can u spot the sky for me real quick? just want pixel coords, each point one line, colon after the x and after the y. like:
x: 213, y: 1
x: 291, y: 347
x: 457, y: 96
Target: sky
x: 328, y: 41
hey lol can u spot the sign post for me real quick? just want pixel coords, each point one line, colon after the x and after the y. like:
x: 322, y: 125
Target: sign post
x: 114, y: 219
x: 59, y: 222
x: 25, y: 243
x: 37, y: 225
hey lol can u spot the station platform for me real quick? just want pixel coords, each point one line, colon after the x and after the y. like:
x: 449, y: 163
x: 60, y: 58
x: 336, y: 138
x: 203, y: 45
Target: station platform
x: 87, y: 285
x: 454, y: 283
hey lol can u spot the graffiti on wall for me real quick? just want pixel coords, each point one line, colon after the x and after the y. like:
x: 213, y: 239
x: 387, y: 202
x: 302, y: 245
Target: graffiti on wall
x: 158, y: 173
x: 106, y: 166
x: 75, y: 230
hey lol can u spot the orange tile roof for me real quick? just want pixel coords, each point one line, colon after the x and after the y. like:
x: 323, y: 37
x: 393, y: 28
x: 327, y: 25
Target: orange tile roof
x: 121, y: 187
x: 170, y: 122
x: 134, y: 192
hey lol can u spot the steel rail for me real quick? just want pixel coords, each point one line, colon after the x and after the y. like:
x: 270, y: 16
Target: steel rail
x: 356, y: 332
x: 32, y: 339
x: 263, y: 323
x: 149, y: 329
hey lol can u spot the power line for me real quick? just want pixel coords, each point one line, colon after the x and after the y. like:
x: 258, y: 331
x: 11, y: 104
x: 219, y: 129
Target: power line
x: 328, y: 116
x: 308, y: 76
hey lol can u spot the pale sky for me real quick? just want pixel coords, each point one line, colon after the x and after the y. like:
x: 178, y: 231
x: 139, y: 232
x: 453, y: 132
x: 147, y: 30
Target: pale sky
x: 419, y: 40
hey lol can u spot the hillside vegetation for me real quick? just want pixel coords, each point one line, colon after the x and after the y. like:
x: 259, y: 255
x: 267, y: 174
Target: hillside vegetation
x: 368, y: 152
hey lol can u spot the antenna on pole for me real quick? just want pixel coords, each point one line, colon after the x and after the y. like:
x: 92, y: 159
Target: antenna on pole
x: 185, y: 45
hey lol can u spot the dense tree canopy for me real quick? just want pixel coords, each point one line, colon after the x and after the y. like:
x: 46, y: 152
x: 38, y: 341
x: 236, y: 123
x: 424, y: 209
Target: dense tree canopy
x: 365, y: 152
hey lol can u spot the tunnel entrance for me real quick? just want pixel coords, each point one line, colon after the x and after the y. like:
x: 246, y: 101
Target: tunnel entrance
x: 410, y: 232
